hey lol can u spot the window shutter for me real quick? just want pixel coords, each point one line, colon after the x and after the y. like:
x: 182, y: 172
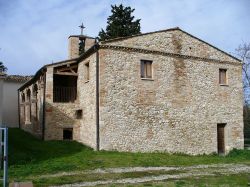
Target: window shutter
x: 146, y: 69
x: 142, y: 69
x: 223, y: 76
x: 149, y: 69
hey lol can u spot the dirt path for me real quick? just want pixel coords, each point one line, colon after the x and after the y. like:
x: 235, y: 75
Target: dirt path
x: 178, y: 173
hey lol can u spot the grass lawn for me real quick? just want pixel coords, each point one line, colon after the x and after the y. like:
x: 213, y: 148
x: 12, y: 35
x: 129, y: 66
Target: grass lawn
x: 226, y: 180
x: 222, y: 181
x: 30, y: 157
x: 247, y: 141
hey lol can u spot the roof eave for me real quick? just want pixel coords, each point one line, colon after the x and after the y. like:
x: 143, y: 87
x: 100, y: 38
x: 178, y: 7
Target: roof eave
x: 44, y: 68
x: 136, y: 35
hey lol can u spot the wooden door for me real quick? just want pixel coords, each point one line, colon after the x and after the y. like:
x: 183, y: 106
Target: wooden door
x: 221, y: 138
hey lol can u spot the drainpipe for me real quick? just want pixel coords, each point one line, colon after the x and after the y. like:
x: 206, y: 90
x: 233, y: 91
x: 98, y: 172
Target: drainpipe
x: 18, y: 100
x: 97, y: 98
x: 43, y: 122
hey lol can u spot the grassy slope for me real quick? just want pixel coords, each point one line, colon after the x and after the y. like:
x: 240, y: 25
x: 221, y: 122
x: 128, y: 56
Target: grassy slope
x: 208, y: 181
x: 29, y: 156
x: 214, y: 181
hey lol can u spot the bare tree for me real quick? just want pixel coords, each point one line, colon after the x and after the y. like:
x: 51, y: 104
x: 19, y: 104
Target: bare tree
x: 243, y: 52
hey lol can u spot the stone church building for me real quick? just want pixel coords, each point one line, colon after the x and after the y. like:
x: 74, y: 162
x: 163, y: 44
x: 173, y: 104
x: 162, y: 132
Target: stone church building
x: 160, y: 91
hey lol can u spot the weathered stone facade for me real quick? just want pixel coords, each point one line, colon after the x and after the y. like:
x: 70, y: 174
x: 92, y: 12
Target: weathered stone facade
x: 31, y: 106
x: 73, y: 50
x: 177, y: 110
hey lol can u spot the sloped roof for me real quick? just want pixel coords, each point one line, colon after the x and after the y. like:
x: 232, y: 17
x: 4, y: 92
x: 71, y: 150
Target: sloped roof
x: 18, y: 78
x: 166, y: 30
x: 103, y: 44
x: 43, y: 68
x: 15, y: 78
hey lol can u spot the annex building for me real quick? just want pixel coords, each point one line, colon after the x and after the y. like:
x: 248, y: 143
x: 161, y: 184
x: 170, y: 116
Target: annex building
x: 160, y: 91
x: 9, y: 85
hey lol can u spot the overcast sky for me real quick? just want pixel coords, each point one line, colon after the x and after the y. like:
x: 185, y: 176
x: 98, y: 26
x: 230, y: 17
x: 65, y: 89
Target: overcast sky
x: 35, y: 32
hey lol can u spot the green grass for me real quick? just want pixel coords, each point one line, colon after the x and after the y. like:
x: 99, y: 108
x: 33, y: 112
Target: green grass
x: 247, y: 141
x: 30, y: 157
x: 213, y: 181
x: 229, y: 181
x: 93, y: 177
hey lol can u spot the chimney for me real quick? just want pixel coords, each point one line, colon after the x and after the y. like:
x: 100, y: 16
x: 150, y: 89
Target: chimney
x: 78, y: 44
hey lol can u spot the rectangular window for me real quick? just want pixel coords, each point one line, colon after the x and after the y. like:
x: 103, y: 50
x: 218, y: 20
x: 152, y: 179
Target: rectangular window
x: 87, y: 71
x: 68, y: 134
x: 78, y: 114
x: 146, y: 69
x: 223, y: 76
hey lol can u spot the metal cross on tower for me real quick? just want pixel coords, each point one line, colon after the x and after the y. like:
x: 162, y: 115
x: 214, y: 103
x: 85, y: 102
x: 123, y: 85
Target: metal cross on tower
x: 81, y: 27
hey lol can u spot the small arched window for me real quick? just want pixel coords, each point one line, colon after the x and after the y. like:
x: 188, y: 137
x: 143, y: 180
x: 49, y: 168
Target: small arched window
x: 23, y: 97
x: 23, y: 112
x: 28, y: 116
x: 35, y: 91
x: 28, y: 95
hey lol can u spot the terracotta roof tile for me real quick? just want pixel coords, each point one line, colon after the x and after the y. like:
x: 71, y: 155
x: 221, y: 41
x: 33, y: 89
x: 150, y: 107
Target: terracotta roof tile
x: 17, y: 78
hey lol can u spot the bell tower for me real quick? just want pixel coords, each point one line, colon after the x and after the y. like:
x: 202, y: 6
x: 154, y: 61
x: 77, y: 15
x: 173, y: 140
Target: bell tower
x: 78, y: 44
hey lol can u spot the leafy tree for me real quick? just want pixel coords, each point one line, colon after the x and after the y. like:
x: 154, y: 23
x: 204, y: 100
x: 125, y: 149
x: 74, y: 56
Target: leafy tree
x: 3, y: 69
x: 121, y: 23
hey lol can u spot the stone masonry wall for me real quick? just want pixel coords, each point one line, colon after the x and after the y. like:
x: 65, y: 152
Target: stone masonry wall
x: 58, y: 115
x: 73, y: 47
x: 31, y: 111
x: 89, y: 42
x: 176, y: 111
x: 63, y: 115
x: 87, y: 98
x: 173, y: 41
